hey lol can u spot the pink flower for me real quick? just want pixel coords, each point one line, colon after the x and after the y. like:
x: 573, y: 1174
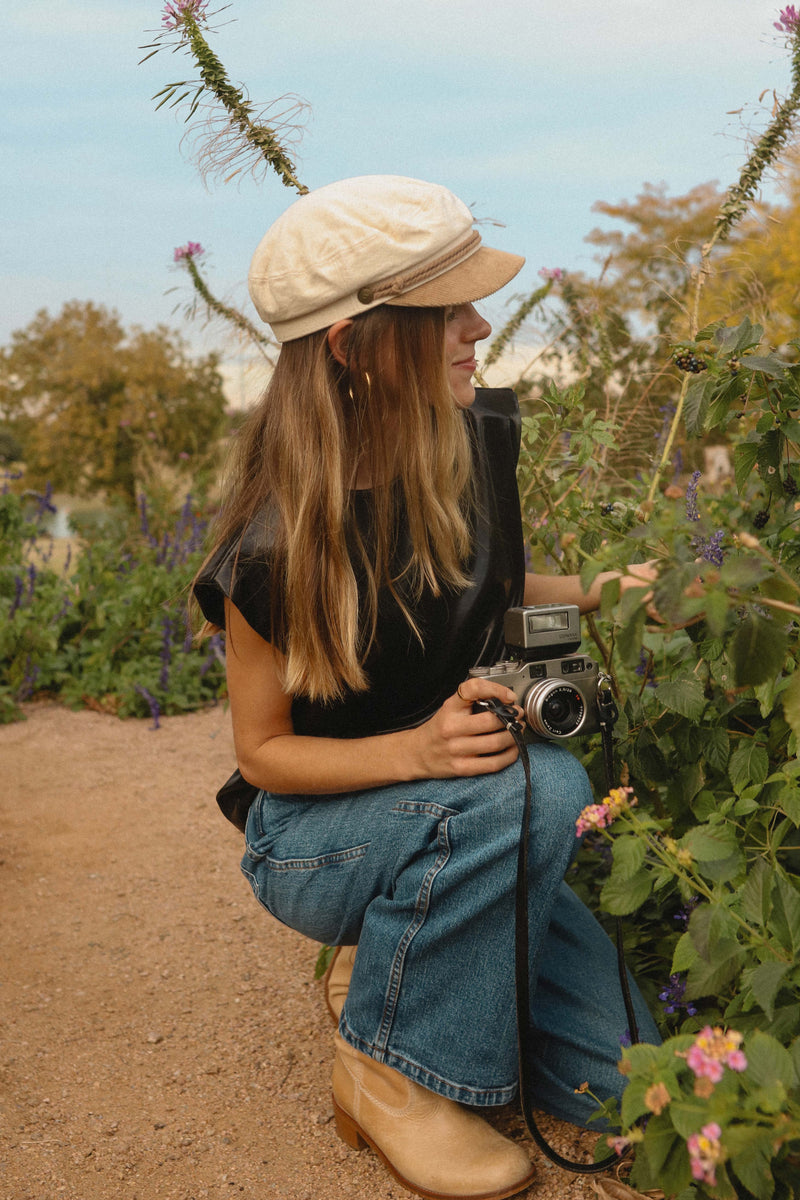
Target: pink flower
x: 599, y: 816
x: 190, y: 250
x: 618, y: 1144
x: 554, y: 273
x: 712, y: 1051
x: 176, y: 13
x: 705, y: 1151
x: 788, y: 20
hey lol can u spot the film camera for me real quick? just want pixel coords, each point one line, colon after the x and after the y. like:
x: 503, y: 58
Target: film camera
x: 562, y: 693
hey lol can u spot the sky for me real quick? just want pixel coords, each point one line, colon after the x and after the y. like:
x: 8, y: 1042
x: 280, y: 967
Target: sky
x: 530, y: 112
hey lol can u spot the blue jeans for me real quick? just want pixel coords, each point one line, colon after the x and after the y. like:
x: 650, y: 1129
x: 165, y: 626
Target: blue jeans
x: 422, y: 876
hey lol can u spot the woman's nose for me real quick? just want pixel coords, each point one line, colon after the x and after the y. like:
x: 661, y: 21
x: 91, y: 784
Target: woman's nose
x: 476, y: 327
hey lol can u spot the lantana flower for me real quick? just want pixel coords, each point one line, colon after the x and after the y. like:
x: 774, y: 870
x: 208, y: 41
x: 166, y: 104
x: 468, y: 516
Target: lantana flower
x: 712, y: 1051
x: 600, y: 816
x: 705, y: 1152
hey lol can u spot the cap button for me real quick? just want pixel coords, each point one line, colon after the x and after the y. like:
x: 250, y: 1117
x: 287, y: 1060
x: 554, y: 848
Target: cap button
x: 366, y: 295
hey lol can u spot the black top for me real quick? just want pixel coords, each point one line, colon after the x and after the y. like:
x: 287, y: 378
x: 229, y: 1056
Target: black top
x: 408, y: 680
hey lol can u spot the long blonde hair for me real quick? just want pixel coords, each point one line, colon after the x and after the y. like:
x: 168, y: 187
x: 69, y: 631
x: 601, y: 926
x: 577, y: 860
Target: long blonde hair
x: 387, y: 416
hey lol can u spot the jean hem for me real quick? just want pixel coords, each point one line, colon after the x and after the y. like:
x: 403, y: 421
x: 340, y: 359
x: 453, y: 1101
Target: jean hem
x: 461, y: 1093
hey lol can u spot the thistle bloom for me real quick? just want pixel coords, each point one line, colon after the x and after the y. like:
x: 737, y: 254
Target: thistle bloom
x: 705, y: 1151
x: 190, y: 250
x: 788, y: 20
x: 600, y: 816
x: 554, y: 273
x: 176, y: 13
x: 713, y: 1050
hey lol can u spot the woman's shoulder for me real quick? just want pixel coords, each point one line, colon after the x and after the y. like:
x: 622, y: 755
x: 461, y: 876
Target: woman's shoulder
x: 239, y: 569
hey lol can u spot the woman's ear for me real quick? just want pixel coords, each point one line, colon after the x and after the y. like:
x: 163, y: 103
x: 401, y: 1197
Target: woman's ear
x: 338, y: 338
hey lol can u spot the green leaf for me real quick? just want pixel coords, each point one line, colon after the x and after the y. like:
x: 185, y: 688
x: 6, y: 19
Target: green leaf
x: 716, y: 746
x: 758, y: 650
x: 768, y: 1061
x: 712, y: 978
x: 756, y: 894
x: 629, y: 854
x: 684, y: 696
x: 752, y: 1165
x: 791, y: 703
x: 768, y: 364
x: 749, y: 763
x: 789, y: 803
x: 629, y: 638
x: 744, y: 459
x: 695, y: 405
x: 765, y: 982
x: 622, y: 896
x: 666, y: 1153
x: 710, y: 843
x: 785, y: 920
x: 685, y: 954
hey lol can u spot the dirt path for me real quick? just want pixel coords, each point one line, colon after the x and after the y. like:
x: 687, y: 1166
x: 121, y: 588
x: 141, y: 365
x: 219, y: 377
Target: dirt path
x: 162, y: 1037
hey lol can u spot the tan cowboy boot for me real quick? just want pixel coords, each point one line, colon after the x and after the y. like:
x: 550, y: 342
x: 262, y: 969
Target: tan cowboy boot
x: 431, y: 1145
x: 337, y: 979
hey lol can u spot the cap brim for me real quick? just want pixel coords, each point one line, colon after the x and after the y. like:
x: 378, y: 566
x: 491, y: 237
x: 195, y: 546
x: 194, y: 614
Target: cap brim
x: 478, y: 276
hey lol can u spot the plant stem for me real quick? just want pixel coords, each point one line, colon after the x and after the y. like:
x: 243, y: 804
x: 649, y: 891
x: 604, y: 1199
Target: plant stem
x: 731, y: 211
x: 226, y: 311
x: 215, y: 80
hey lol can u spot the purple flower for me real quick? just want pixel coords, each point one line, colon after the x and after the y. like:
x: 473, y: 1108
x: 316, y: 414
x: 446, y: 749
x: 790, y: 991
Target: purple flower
x: 166, y: 651
x: 19, y: 587
x: 710, y: 549
x: 152, y: 703
x: 684, y: 914
x: 788, y: 20
x: 692, y: 513
x: 553, y: 273
x: 176, y: 13
x: 190, y: 250
x: 673, y: 993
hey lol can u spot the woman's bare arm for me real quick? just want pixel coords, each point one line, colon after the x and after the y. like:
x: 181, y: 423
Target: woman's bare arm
x: 455, y: 741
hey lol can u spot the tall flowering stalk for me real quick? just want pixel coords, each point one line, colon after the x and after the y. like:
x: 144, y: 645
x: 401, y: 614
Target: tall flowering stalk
x: 186, y: 257
x: 735, y: 205
x: 244, y: 141
x: 512, y: 326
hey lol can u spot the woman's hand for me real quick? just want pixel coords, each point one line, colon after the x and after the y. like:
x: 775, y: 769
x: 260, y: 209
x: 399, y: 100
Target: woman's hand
x: 457, y: 741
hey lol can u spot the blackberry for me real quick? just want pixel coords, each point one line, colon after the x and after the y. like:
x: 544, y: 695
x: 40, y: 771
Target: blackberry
x: 687, y: 360
x: 733, y: 366
x: 790, y: 485
x: 760, y: 519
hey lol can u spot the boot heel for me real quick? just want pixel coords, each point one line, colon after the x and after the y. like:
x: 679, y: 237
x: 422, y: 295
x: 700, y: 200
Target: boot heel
x: 347, y: 1129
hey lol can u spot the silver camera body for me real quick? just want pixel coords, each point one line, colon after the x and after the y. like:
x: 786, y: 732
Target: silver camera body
x: 557, y: 688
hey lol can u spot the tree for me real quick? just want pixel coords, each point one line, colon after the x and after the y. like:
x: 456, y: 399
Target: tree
x: 95, y: 407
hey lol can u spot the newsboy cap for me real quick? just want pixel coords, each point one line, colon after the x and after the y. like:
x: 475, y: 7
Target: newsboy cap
x: 376, y: 239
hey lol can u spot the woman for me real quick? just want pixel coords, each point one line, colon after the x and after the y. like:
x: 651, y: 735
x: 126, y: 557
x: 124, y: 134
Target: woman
x: 369, y: 546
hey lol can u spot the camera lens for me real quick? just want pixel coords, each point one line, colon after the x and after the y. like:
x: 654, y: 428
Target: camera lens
x: 554, y: 709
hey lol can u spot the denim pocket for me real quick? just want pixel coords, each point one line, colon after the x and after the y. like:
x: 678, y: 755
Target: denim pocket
x: 295, y: 868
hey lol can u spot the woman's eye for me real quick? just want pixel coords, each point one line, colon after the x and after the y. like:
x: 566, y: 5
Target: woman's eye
x: 450, y: 314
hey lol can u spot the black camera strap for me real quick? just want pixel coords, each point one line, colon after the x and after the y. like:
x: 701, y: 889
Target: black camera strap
x: 525, y: 1034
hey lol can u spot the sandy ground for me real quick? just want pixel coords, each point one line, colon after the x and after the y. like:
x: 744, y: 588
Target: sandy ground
x: 162, y: 1037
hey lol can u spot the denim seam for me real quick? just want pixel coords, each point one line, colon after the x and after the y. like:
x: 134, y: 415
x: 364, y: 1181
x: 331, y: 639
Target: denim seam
x: 420, y: 912
x: 461, y: 1093
x: 322, y: 860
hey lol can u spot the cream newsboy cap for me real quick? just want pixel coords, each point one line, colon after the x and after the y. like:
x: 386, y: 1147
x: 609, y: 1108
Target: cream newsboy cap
x: 376, y: 239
